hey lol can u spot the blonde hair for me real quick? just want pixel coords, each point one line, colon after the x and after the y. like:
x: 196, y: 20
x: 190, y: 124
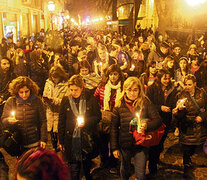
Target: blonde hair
x: 141, y: 95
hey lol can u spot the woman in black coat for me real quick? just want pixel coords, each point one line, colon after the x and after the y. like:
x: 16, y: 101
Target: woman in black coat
x: 25, y: 111
x: 132, y: 101
x: 162, y: 93
x: 79, y: 113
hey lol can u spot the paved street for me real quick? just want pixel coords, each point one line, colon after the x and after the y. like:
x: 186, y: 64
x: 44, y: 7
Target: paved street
x: 170, y: 167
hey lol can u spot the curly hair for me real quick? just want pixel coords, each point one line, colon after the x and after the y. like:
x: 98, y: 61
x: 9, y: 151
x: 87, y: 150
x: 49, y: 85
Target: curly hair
x: 40, y: 164
x: 113, y: 68
x: 20, y: 82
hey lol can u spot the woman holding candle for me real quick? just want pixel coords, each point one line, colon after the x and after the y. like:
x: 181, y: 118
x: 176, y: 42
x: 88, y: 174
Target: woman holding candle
x: 132, y: 100
x: 25, y: 111
x: 162, y: 94
x: 79, y: 113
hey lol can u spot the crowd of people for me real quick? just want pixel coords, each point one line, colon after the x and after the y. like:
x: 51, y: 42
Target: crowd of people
x: 84, y: 88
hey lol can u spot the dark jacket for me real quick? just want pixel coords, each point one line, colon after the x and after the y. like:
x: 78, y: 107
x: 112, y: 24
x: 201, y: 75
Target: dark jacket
x: 191, y: 132
x: 5, y: 79
x: 38, y: 73
x: 156, y: 95
x: 67, y: 122
x: 31, y: 118
x: 121, y: 117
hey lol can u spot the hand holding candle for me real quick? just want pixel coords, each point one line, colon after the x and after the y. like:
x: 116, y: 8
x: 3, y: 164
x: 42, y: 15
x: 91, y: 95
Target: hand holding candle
x: 12, y: 118
x: 80, y: 121
x: 141, y: 125
x: 181, y: 103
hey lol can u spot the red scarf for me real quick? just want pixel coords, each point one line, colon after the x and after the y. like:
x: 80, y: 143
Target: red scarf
x: 129, y: 104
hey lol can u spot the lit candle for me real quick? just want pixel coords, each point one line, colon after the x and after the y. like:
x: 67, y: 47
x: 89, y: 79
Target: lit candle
x: 80, y: 120
x: 139, y: 123
x: 100, y: 63
x: 13, y: 114
x: 133, y: 66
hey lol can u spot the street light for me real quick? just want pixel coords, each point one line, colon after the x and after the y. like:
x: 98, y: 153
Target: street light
x: 51, y: 8
x: 194, y: 4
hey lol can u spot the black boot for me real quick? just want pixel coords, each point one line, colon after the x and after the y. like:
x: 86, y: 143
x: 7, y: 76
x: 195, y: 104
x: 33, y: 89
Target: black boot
x: 56, y: 142
x: 53, y: 139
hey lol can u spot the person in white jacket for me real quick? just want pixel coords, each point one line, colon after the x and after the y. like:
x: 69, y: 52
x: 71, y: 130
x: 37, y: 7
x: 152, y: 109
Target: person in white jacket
x: 55, y: 89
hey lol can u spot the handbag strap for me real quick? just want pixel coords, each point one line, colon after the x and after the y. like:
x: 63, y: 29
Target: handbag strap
x: 194, y: 101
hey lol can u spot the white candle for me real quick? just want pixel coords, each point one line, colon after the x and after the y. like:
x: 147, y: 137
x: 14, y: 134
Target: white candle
x: 80, y: 120
x: 139, y: 123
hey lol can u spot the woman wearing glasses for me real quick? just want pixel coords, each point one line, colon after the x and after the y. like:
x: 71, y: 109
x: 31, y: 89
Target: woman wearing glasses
x: 131, y: 101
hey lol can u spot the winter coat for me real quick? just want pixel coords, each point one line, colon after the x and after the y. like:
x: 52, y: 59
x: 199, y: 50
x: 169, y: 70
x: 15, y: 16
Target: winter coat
x: 56, y: 93
x: 158, y: 57
x: 31, y: 118
x: 191, y: 132
x: 67, y: 122
x: 5, y: 79
x: 21, y: 67
x: 38, y: 73
x: 121, y: 117
x: 156, y: 95
x: 99, y: 94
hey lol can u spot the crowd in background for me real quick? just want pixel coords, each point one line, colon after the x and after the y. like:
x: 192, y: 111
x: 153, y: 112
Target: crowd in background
x: 107, y: 77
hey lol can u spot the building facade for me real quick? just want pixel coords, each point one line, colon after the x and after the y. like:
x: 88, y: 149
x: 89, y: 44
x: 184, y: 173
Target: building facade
x: 23, y: 18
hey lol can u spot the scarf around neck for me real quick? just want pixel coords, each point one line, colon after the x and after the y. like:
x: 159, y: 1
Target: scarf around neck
x: 107, y: 93
x: 82, y: 106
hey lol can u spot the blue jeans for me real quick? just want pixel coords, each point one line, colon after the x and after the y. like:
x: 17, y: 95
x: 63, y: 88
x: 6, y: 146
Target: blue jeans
x: 140, y: 158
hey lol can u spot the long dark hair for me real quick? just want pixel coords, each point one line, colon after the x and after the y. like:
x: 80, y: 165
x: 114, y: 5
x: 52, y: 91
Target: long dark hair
x: 113, y: 68
x: 160, y: 74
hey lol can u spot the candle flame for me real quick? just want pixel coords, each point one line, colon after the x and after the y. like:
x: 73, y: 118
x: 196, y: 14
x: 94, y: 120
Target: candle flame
x: 133, y: 66
x: 13, y: 113
x: 80, y: 120
x: 100, y: 63
x: 137, y: 114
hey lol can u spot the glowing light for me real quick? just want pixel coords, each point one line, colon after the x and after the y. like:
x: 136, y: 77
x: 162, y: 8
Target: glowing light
x: 80, y: 120
x: 51, y: 6
x: 72, y: 20
x: 195, y: 2
x: 67, y: 17
x: 101, y: 19
x: 133, y: 66
x: 13, y: 113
